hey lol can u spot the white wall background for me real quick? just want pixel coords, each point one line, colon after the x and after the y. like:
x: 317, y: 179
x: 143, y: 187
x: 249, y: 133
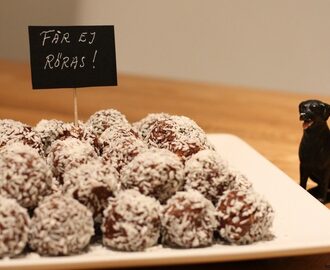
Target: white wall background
x: 16, y: 15
x: 272, y: 44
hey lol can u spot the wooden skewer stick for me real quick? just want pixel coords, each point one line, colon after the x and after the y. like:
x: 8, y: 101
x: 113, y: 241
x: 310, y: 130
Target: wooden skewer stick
x: 75, y: 107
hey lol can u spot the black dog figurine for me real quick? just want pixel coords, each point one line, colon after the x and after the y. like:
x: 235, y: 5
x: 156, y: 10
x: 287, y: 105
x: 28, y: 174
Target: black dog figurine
x: 314, y: 149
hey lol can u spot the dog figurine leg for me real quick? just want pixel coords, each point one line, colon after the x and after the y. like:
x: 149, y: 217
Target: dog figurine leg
x: 324, y: 188
x: 303, y: 176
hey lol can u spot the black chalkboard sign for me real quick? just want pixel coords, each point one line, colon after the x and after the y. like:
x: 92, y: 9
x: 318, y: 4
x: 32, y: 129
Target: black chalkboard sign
x: 72, y: 56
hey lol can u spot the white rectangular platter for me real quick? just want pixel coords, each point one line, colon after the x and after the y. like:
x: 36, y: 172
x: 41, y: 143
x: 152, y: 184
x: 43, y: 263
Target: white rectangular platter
x: 301, y: 225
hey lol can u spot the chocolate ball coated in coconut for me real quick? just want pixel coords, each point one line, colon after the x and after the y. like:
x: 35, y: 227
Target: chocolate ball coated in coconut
x: 60, y: 226
x: 92, y: 184
x: 49, y: 131
x: 14, y: 227
x: 122, y: 150
x: 104, y: 119
x: 144, y: 125
x: 244, y: 217
x: 236, y: 180
x: 178, y: 134
x: 24, y: 175
x: 131, y: 222
x: 15, y: 131
x: 155, y: 172
x: 67, y: 154
x: 207, y: 173
x: 111, y: 135
x: 52, y: 130
x: 188, y: 220
x: 81, y: 132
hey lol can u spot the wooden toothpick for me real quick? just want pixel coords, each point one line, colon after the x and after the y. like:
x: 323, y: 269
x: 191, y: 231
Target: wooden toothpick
x: 75, y: 107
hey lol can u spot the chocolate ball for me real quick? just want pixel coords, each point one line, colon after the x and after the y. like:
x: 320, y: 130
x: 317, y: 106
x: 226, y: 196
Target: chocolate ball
x: 121, y: 147
x: 178, y: 134
x: 131, y: 222
x: 52, y: 130
x: 154, y: 172
x: 207, y: 173
x: 104, y: 119
x: 244, y: 217
x: 111, y: 135
x: 15, y: 131
x: 81, y: 132
x: 24, y: 174
x: 236, y: 180
x: 67, y: 154
x: 14, y: 227
x: 144, y: 125
x: 60, y: 226
x: 92, y: 184
x: 188, y: 220
x: 49, y: 131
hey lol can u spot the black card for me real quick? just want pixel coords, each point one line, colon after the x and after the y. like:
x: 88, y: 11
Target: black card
x: 72, y: 56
